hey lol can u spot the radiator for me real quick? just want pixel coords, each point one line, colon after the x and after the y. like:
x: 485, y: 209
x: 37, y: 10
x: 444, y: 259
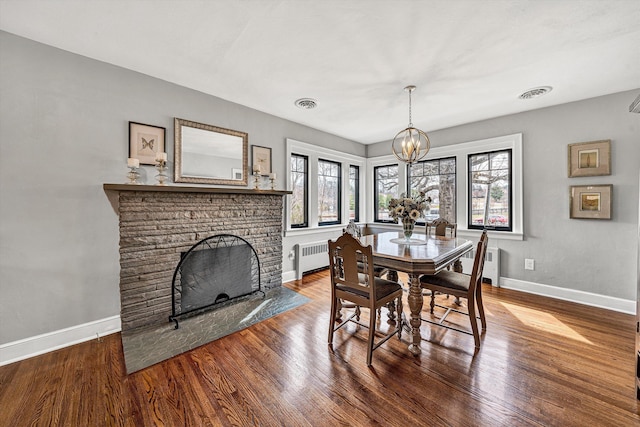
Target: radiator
x: 311, y: 256
x: 491, y: 270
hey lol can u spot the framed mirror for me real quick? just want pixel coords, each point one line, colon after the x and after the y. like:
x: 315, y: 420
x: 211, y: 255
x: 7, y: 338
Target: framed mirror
x: 206, y: 154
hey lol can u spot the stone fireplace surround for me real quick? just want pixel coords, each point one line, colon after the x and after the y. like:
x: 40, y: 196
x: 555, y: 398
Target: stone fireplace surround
x: 158, y: 223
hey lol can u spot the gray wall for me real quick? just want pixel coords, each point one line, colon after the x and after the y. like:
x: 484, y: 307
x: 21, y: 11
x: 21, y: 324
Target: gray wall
x: 589, y: 255
x: 63, y: 133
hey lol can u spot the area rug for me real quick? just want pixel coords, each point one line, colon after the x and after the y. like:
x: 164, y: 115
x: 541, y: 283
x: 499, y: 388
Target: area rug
x: 146, y: 347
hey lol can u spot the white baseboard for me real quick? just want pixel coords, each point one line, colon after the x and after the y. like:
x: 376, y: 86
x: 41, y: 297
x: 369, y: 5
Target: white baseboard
x: 580, y: 297
x: 288, y: 276
x: 40, y: 344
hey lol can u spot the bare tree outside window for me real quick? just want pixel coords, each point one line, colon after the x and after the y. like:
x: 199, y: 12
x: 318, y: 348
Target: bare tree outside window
x: 329, y: 206
x: 437, y: 178
x: 490, y: 190
x: 386, y: 188
x: 354, y: 193
x: 299, y: 172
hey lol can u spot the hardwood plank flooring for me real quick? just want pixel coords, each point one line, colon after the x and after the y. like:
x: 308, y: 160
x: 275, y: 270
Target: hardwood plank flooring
x: 543, y: 362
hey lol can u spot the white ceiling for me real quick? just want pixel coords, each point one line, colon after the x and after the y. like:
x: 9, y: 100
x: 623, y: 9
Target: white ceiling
x: 470, y: 59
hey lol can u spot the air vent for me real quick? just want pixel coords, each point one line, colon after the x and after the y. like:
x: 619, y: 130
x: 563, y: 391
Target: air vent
x: 306, y: 103
x: 535, y: 92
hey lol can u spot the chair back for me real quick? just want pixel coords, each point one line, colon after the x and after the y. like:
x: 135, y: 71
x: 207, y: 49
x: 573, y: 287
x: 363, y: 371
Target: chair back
x: 351, y: 266
x: 441, y: 226
x: 478, y: 262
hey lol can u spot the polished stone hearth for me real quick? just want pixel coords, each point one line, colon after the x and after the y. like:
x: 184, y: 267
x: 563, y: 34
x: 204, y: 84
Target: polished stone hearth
x: 144, y: 347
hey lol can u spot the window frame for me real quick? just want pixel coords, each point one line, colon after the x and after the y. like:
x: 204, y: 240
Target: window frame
x: 422, y: 221
x: 339, y: 196
x: 376, y: 193
x: 469, y: 200
x: 356, y: 194
x: 305, y: 223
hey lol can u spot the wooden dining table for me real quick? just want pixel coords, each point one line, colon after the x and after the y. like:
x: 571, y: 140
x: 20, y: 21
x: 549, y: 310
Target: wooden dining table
x: 422, y: 254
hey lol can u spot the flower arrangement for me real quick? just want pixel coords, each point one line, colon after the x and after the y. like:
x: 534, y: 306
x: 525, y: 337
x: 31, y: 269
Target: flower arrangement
x: 407, y: 207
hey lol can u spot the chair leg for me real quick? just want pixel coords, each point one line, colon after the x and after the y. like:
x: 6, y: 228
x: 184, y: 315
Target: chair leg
x: 433, y: 300
x: 332, y: 319
x: 372, y: 332
x: 481, y: 309
x: 399, y: 316
x: 471, y: 303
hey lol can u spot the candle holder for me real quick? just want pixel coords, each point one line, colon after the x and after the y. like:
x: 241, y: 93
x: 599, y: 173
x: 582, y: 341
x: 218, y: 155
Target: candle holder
x: 256, y: 181
x: 273, y: 182
x: 161, y: 165
x: 133, y: 175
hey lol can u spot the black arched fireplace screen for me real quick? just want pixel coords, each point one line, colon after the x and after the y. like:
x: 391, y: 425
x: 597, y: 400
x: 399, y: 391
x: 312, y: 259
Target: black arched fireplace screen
x: 215, y: 270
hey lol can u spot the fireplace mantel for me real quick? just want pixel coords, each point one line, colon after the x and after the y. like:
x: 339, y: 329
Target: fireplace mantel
x: 191, y: 189
x: 157, y: 224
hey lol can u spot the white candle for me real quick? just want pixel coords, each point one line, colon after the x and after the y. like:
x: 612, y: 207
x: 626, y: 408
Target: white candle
x: 256, y: 169
x: 161, y: 157
x: 272, y: 175
x: 133, y: 163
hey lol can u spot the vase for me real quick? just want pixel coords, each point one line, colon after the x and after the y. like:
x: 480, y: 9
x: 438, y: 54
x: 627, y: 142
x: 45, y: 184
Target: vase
x: 407, y: 227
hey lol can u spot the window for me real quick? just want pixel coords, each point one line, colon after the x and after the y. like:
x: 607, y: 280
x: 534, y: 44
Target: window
x: 300, y: 188
x: 490, y: 190
x: 354, y: 193
x: 437, y: 178
x: 385, y: 187
x: 326, y: 188
x: 329, y: 196
x: 449, y: 165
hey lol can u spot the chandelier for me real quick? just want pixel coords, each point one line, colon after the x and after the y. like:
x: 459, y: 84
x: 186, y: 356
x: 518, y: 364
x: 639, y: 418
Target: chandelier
x: 410, y: 145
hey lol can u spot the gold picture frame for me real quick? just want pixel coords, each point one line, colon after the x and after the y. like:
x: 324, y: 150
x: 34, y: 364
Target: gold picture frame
x: 590, y: 158
x: 590, y: 201
x: 145, y: 141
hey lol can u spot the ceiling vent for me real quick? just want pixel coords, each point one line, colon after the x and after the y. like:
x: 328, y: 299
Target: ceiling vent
x: 635, y: 106
x: 306, y: 103
x: 535, y: 92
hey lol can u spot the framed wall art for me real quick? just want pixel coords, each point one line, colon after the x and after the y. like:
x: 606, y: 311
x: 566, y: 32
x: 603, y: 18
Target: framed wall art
x: 590, y: 201
x: 260, y: 160
x: 590, y: 158
x: 145, y: 141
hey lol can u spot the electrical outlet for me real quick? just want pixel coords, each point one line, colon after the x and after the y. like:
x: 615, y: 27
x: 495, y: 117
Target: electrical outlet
x: 529, y: 264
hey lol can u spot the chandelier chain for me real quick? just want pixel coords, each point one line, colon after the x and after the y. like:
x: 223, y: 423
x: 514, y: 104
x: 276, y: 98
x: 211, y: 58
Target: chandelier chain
x: 410, y: 123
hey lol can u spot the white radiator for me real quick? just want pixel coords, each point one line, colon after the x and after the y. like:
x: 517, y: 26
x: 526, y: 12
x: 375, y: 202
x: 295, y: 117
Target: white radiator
x: 491, y: 265
x: 311, y: 256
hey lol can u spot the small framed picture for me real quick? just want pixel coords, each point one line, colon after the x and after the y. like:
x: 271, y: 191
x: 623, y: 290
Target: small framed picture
x: 590, y: 158
x: 590, y: 201
x: 236, y: 174
x: 145, y: 141
x: 260, y: 160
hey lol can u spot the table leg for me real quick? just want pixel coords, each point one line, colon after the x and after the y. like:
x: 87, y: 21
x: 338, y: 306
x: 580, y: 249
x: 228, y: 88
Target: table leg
x: 457, y: 267
x: 415, y: 305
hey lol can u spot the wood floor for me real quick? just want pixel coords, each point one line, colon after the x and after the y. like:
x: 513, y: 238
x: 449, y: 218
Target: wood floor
x: 543, y: 363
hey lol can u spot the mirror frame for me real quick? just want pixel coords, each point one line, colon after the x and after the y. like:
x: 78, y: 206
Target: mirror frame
x: 179, y: 177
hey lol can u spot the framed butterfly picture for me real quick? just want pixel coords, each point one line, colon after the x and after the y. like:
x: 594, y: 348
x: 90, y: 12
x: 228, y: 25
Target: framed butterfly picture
x: 145, y: 141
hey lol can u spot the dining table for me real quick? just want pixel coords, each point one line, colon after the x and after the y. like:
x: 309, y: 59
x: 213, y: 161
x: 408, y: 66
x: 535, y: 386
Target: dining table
x: 420, y: 254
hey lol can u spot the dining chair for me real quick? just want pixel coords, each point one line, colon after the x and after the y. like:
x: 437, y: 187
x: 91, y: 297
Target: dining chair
x: 463, y: 286
x: 442, y: 227
x: 379, y: 271
x: 359, y: 285
x: 353, y: 229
